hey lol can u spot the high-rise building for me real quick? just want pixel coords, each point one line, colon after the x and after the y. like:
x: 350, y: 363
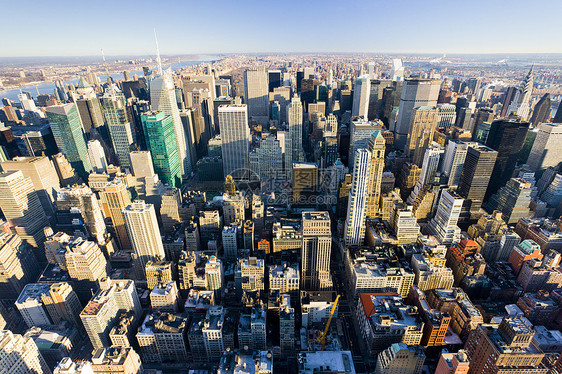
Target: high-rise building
x: 546, y: 150
x: 507, y: 348
x: 170, y: 209
x: 97, y: 156
x: 361, y: 93
x: 416, y: 92
x: 82, y: 198
x: 453, y: 162
x: 506, y: 136
x: 250, y: 274
x: 233, y: 206
x: 284, y: 278
x: 444, y: 224
x: 377, y: 145
x: 163, y: 99
x: 229, y: 242
x: 115, y: 198
x: 256, y: 93
x: 400, y: 358
x: 158, y: 272
x: 316, y: 250
x: 423, y: 125
x: 18, y: 265
x: 541, y: 111
x: 270, y: 155
x: 359, y: 135
x: 142, y: 226
x: 286, y: 326
x: 475, y: 176
x: 521, y: 104
x: 161, y: 142
x: 214, y: 274
x: 43, y: 176
x: 20, y: 355
x: 295, y: 119
x: 512, y: 200
x: 453, y: 363
x: 446, y: 115
x: 120, y: 128
x: 22, y: 208
x: 305, y: 183
x: 358, y: 198
x: 235, y: 136
x: 69, y: 136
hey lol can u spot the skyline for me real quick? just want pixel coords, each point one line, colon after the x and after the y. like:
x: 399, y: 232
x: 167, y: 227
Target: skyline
x: 249, y: 27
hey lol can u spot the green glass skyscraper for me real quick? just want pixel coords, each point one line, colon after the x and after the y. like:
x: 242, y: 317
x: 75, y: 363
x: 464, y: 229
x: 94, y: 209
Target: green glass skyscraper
x: 161, y: 142
x: 69, y: 136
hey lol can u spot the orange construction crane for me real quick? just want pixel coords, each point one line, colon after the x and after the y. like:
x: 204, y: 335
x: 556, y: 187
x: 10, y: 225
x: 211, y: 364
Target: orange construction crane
x: 322, y: 338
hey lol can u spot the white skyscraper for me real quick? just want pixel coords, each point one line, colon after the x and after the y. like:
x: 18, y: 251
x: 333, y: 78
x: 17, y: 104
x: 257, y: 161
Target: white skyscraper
x: 144, y: 233
x: 444, y: 224
x: 97, y: 156
x: 163, y: 99
x: 235, y: 137
x: 316, y: 251
x: 361, y: 93
x: 546, y: 149
x: 358, y: 195
x: 397, y: 72
x: 256, y: 94
x: 295, y: 114
x: 359, y: 135
x: 522, y: 100
x: 429, y: 170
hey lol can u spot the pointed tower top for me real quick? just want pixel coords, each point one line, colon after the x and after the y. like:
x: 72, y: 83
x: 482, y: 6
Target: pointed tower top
x: 158, y: 60
x: 83, y: 83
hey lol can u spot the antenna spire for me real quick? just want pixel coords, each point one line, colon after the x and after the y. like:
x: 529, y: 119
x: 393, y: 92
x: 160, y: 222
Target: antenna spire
x: 111, y: 89
x: 158, y: 60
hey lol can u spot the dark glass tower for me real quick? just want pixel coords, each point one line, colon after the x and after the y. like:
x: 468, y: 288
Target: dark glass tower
x: 506, y: 136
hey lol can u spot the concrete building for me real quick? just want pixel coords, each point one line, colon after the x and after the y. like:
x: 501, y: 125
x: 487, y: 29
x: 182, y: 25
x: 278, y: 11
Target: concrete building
x: 400, y: 358
x: 506, y: 348
x: 235, y: 136
x: 158, y: 272
x: 246, y: 362
x: 164, y: 297
x: 20, y: 355
x: 18, y: 266
x: 43, y: 176
x: 22, y: 208
x: 316, y: 307
x: 287, y: 334
x: 358, y: 197
x: 423, y: 125
x: 444, y: 224
x: 545, y: 151
x: 331, y: 361
x: 284, y: 277
x: 162, y: 338
x: 233, y: 206
x: 361, y: 92
x: 144, y: 233
x: 384, y: 319
x: 116, y: 360
x: 256, y: 94
x: 360, y: 133
x: 316, y: 251
x: 250, y: 274
x: 115, y: 198
x: 453, y: 363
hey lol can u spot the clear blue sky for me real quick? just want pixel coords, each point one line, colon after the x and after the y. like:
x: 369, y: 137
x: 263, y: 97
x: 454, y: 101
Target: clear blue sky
x: 82, y: 27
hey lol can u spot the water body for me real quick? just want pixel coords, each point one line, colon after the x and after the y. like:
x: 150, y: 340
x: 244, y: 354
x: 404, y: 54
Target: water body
x: 48, y: 88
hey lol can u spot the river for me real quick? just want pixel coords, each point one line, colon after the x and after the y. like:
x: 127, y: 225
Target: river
x: 48, y: 88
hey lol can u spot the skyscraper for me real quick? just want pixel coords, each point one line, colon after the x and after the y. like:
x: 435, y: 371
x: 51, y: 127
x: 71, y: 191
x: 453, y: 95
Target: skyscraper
x: 359, y: 135
x: 43, y: 176
x: 163, y: 99
x: 21, y: 207
x: 416, y: 92
x: 541, y: 111
x: 256, y: 94
x: 354, y: 231
x: 120, y: 128
x: 512, y: 200
x: 295, y: 115
x: 361, y: 93
x: 316, y: 251
x: 521, y: 103
x: 143, y: 230
x: 546, y: 149
x: 423, y: 125
x: 506, y: 136
x: 20, y: 355
x: 376, y: 165
x: 18, y: 266
x: 115, y: 197
x: 475, y: 176
x: 235, y: 136
x: 69, y: 136
x: 97, y: 156
x: 161, y: 142
x: 444, y: 224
